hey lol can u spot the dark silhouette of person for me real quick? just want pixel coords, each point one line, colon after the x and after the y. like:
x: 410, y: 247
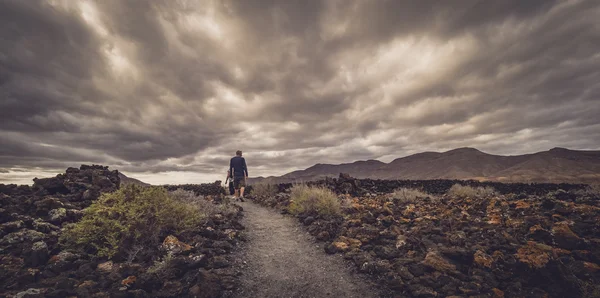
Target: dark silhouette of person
x: 239, y: 171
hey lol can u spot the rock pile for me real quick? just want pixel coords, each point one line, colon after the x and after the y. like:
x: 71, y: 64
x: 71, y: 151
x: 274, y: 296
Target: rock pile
x: 34, y: 264
x: 502, y: 246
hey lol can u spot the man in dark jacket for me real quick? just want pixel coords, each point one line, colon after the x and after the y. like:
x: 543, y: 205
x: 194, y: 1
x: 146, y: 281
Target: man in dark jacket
x: 237, y: 166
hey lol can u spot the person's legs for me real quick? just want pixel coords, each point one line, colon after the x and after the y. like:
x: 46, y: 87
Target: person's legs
x: 231, y: 188
x: 242, y: 186
x: 239, y: 187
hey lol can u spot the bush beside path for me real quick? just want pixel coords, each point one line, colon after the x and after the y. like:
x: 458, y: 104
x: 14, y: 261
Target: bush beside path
x: 83, y: 234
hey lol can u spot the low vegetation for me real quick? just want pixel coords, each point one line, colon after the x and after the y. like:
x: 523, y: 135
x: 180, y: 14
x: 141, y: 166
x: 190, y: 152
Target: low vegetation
x: 120, y: 222
x: 408, y: 195
x: 160, y: 267
x: 264, y: 190
x: 317, y: 200
x: 464, y: 191
x: 205, y: 207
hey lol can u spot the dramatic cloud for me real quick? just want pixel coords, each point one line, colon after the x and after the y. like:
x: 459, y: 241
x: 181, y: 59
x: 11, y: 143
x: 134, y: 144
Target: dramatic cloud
x: 166, y: 91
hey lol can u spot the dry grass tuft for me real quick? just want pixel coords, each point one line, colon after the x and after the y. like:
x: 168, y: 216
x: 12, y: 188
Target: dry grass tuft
x: 463, y: 191
x: 264, y: 190
x: 319, y: 200
x: 408, y: 195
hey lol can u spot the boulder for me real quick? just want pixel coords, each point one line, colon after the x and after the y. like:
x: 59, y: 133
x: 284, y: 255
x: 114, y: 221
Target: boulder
x: 30, y: 293
x: 12, y: 226
x: 52, y: 185
x: 39, y: 254
x: 434, y: 260
x: 44, y: 227
x: 44, y: 206
x: 105, y: 267
x: 172, y: 245
x: 564, y: 237
x: 25, y: 235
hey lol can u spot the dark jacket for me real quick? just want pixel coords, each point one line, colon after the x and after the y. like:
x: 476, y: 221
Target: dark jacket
x: 237, y: 166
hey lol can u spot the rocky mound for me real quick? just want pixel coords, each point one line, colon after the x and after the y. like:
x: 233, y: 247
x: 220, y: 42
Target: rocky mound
x: 502, y: 246
x: 59, y: 199
x: 34, y: 264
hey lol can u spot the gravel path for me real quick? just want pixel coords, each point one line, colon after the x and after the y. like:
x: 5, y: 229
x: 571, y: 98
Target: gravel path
x: 282, y: 260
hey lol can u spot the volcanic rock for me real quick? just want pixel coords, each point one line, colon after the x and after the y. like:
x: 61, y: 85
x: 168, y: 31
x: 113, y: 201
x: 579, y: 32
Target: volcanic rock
x: 173, y: 246
x: 39, y: 254
x: 564, y: 236
x: 526, y: 240
x: 436, y: 261
x: 57, y: 216
x: 25, y: 235
x: 30, y: 293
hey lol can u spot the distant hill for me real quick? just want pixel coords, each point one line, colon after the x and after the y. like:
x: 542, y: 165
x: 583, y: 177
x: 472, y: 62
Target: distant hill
x: 127, y: 180
x: 555, y: 165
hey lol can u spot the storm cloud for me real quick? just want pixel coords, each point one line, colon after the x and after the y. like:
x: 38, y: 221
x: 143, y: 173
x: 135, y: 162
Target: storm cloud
x: 166, y: 91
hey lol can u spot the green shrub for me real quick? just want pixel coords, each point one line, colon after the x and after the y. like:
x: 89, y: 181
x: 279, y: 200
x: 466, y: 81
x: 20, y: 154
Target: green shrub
x: 264, y: 190
x: 319, y: 200
x: 131, y: 217
x: 408, y: 195
x: 463, y: 191
x: 160, y: 268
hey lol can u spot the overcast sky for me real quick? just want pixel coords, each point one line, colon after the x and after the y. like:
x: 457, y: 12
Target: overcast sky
x: 166, y: 91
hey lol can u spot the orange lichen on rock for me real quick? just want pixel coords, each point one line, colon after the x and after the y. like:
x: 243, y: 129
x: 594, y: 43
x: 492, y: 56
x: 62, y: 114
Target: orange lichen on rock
x: 437, y: 262
x: 562, y: 229
x: 86, y: 284
x: 534, y: 254
x: 54, y: 259
x: 591, y: 267
x: 106, y: 266
x: 172, y: 244
x: 354, y: 243
x: 497, y: 293
x: 409, y: 209
x: 498, y: 255
x: 521, y: 204
x: 357, y: 206
x: 494, y: 219
x: 514, y: 222
x: 535, y: 228
x: 129, y: 280
x: 483, y: 259
x: 557, y: 252
x: 340, y: 246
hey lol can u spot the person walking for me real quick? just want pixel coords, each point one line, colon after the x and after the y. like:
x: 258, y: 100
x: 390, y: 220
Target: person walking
x: 237, y: 166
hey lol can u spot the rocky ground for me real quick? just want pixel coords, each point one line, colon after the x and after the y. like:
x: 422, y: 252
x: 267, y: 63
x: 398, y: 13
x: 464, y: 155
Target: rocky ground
x: 34, y: 264
x: 370, y: 187
x: 526, y: 242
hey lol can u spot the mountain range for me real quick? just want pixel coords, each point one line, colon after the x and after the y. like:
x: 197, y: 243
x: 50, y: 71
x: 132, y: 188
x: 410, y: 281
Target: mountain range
x: 128, y: 180
x: 555, y: 165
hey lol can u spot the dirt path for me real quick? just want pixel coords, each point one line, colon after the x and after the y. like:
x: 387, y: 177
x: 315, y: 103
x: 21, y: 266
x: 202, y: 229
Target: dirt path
x: 282, y: 260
